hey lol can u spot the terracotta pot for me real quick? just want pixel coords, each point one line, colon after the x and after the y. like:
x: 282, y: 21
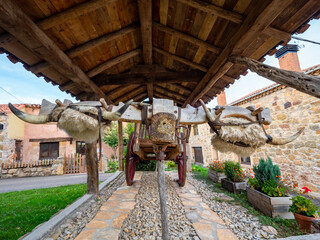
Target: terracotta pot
x: 304, y: 221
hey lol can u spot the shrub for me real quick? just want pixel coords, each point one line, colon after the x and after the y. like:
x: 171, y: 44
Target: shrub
x: 146, y: 165
x: 266, y: 171
x: 271, y: 188
x: 113, y: 165
x: 253, y: 183
x: 171, y: 164
x: 233, y: 171
x: 303, y: 206
x: 216, y: 166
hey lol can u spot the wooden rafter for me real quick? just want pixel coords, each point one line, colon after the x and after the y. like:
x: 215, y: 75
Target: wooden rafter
x: 215, y: 10
x: 18, y: 24
x: 72, y: 13
x: 110, y: 63
x: 131, y: 94
x: 180, y: 59
x: 178, y: 95
x: 256, y: 22
x: 198, y: 42
x: 145, y: 13
x: 161, y: 95
x: 148, y: 77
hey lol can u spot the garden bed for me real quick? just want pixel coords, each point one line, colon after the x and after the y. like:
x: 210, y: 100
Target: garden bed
x: 215, y: 176
x: 270, y: 206
x: 233, y: 187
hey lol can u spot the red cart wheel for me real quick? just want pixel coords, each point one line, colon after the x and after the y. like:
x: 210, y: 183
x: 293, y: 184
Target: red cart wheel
x: 131, y: 160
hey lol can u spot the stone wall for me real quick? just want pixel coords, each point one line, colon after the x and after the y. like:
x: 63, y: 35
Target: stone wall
x: 32, y: 171
x: 7, y: 146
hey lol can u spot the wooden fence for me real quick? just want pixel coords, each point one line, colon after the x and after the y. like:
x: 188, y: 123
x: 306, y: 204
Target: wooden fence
x: 76, y: 163
x: 39, y: 163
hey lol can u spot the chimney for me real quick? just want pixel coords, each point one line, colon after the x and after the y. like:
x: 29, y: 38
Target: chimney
x: 288, y: 58
x: 221, y: 98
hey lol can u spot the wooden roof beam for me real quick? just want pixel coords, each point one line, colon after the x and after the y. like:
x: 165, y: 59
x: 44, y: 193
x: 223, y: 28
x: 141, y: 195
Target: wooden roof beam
x: 170, y: 92
x: 145, y: 14
x: 196, y: 41
x: 140, y: 97
x: 180, y: 59
x: 110, y: 63
x: 148, y: 77
x: 18, y: 24
x: 72, y: 13
x: 135, y: 92
x: 256, y: 22
x: 215, y: 10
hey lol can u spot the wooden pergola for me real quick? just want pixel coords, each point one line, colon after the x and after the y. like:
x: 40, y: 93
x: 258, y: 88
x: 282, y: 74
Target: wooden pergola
x: 125, y: 49
x: 118, y: 50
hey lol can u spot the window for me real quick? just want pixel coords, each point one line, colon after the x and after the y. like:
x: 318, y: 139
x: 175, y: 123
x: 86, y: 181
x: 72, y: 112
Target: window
x: 81, y: 147
x: 246, y: 160
x: 195, y: 130
x: 49, y: 150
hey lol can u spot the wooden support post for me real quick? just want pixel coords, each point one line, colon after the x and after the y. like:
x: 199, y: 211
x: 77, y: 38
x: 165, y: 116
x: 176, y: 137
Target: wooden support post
x: 162, y: 195
x: 120, y: 141
x: 92, y: 168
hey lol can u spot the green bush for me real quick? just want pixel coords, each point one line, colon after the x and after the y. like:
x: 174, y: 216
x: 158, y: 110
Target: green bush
x: 253, y: 183
x: 171, y: 164
x: 113, y: 165
x: 303, y: 206
x: 216, y: 166
x: 233, y: 171
x: 271, y: 188
x: 266, y: 171
x: 146, y: 165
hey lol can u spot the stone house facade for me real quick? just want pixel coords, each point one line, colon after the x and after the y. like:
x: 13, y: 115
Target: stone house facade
x: 24, y: 142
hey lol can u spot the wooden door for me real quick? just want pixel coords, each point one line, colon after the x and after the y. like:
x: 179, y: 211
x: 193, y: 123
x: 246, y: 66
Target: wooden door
x: 198, y: 154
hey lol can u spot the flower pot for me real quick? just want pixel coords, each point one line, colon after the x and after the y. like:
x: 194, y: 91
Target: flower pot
x: 215, y: 176
x: 234, y: 187
x: 270, y: 206
x: 304, y: 221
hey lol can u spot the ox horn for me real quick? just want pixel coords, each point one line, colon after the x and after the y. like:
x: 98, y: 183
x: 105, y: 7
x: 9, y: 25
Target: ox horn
x: 282, y: 141
x: 208, y: 113
x: 28, y: 117
x: 114, y: 116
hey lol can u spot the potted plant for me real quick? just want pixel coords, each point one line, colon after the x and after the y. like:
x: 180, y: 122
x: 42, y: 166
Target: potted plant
x: 304, y: 212
x: 265, y: 191
x: 234, y: 177
x: 215, y: 172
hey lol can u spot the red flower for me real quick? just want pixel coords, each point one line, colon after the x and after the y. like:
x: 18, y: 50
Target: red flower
x: 251, y: 176
x: 306, y: 189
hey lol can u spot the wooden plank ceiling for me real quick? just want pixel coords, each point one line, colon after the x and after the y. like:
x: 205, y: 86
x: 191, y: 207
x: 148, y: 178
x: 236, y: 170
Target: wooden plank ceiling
x: 123, y: 49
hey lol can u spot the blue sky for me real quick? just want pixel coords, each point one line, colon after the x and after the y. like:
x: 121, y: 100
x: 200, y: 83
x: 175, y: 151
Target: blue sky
x: 30, y: 89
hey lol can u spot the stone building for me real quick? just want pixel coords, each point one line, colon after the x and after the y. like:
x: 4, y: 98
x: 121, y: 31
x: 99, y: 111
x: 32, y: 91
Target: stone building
x: 290, y: 110
x: 21, y: 141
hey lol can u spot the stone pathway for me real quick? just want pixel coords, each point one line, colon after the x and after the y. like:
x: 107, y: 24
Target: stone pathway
x: 207, y: 223
x: 108, y: 221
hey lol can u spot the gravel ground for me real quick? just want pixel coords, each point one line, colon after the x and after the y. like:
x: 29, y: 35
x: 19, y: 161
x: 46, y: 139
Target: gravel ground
x: 73, y: 225
x: 144, y: 221
x: 236, y: 217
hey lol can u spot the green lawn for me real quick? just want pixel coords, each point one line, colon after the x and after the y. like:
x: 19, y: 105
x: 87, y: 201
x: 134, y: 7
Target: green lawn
x: 22, y: 211
x: 284, y: 227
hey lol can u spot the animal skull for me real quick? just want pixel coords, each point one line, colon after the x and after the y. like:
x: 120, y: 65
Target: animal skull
x: 238, y: 129
x: 78, y: 120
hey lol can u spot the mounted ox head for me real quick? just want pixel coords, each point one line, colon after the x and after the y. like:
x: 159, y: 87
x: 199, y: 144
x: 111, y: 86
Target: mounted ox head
x: 240, y: 130
x: 79, y: 120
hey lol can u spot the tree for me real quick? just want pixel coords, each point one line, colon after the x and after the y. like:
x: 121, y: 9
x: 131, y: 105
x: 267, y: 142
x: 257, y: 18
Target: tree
x: 111, y: 136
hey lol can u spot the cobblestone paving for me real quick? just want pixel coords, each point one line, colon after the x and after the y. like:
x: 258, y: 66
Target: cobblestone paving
x: 109, y: 219
x: 133, y: 213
